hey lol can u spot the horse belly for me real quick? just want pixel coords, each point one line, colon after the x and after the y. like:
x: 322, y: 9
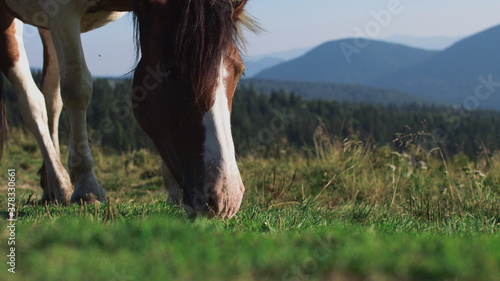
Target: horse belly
x: 95, y: 20
x: 38, y: 13
x: 32, y: 12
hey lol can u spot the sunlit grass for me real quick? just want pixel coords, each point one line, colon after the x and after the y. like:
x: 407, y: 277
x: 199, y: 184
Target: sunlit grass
x: 343, y: 210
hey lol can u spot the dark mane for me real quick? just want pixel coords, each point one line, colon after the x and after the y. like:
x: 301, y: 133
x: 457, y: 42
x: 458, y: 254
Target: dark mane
x: 203, y: 32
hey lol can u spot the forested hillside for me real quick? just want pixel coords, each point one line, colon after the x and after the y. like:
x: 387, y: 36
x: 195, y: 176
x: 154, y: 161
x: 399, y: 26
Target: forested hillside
x: 337, y: 92
x: 294, y: 121
x: 261, y: 121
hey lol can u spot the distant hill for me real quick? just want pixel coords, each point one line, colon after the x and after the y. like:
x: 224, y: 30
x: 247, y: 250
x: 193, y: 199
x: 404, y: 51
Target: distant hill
x: 336, y: 92
x: 252, y: 67
x: 426, y: 43
x: 465, y: 73
x: 284, y: 55
x: 329, y: 62
x: 257, y: 63
x: 455, y: 74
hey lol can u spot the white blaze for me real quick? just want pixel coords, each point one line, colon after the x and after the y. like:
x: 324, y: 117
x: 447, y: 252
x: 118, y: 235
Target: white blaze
x: 223, y: 176
x: 219, y: 146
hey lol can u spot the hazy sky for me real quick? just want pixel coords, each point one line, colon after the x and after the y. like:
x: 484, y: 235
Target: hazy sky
x: 293, y: 24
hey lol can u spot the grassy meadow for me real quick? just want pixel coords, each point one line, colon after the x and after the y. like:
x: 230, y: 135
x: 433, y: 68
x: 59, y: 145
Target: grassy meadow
x: 342, y: 210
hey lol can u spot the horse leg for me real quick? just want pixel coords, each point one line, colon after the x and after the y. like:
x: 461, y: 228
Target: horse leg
x: 52, y: 94
x: 173, y: 188
x: 76, y: 92
x: 50, y: 85
x: 57, y: 186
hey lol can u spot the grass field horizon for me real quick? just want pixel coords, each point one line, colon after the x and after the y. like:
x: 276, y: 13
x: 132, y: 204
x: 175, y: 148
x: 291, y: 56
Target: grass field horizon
x: 343, y: 210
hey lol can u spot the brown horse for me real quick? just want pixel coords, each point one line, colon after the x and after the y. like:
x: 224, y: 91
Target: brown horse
x: 183, y: 86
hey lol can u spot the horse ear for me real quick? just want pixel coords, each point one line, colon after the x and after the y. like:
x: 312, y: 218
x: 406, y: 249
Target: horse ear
x: 239, y: 8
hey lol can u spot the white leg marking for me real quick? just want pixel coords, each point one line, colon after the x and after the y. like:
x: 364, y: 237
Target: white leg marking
x: 33, y: 109
x: 51, y: 86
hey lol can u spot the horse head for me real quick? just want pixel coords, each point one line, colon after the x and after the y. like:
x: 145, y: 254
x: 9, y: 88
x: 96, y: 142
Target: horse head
x: 184, y: 83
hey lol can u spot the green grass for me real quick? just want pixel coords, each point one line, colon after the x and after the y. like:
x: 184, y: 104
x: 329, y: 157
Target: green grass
x: 343, y: 211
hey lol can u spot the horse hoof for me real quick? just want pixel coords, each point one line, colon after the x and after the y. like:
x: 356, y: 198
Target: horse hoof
x: 47, y: 200
x: 88, y: 198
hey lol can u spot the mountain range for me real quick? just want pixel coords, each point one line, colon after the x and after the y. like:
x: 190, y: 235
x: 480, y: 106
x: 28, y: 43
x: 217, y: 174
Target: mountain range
x: 465, y: 73
x: 437, y: 43
x: 342, y: 61
x: 257, y: 63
